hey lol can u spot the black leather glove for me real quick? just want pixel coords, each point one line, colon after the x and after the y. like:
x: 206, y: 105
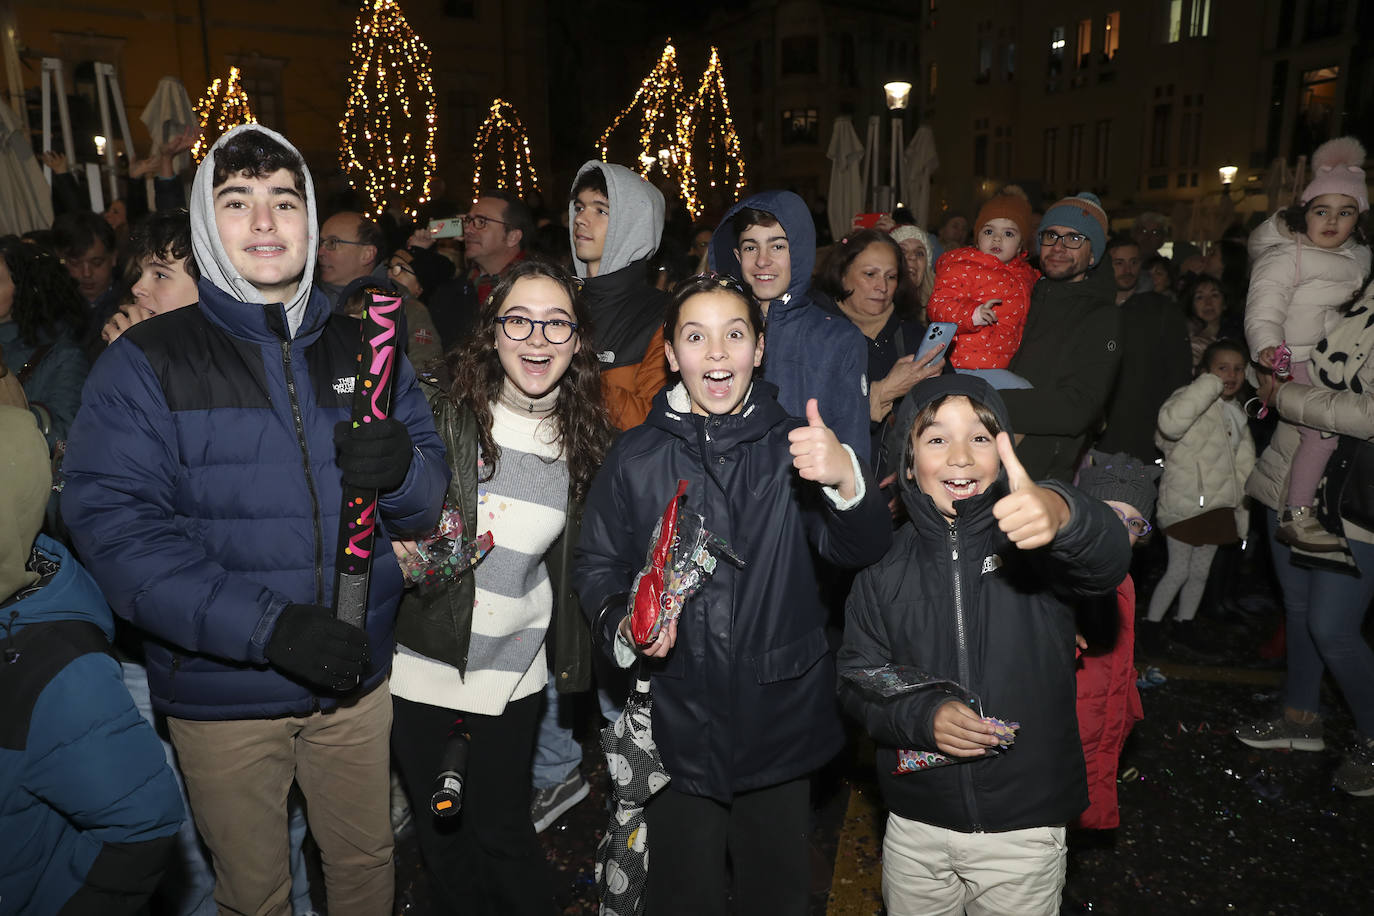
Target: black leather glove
x: 374, y: 456
x: 310, y: 645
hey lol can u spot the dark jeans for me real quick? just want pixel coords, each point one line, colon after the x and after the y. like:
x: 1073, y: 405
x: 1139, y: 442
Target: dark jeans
x: 486, y: 859
x: 765, y: 833
x: 1325, y: 615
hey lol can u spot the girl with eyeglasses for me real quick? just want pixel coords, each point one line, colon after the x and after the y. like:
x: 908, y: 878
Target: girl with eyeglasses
x: 1208, y: 454
x: 526, y: 429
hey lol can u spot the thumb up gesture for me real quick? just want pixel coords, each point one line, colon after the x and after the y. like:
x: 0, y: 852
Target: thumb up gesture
x: 817, y: 454
x: 1031, y: 515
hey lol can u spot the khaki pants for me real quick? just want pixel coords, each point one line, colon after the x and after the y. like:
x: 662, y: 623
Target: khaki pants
x: 931, y: 871
x: 237, y: 776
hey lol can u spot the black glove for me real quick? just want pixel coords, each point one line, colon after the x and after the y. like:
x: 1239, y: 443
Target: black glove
x: 310, y: 645
x: 374, y: 456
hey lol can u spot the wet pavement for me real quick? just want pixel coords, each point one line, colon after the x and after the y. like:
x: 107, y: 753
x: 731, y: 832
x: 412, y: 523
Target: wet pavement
x: 1209, y: 825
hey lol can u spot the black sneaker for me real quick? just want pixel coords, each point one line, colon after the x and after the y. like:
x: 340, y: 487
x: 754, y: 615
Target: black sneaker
x: 549, y: 804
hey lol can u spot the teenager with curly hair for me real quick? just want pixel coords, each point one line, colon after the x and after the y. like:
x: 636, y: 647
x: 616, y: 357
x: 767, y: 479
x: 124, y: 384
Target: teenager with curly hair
x: 526, y: 429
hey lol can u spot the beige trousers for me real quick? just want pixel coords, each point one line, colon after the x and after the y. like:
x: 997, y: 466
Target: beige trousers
x: 237, y: 776
x: 931, y: 871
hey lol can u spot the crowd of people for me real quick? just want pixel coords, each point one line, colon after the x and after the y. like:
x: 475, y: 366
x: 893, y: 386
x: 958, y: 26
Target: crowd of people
x: 929, y: 462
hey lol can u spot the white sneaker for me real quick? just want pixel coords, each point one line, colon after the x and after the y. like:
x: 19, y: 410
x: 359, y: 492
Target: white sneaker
x: 1301, y: 529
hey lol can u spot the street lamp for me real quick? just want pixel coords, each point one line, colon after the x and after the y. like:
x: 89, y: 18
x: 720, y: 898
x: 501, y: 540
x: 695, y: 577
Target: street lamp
x: 1228, y: 175
x: 898, y: 93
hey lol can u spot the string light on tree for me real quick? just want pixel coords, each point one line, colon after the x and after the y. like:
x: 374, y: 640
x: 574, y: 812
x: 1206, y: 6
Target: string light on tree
x: 387, y: 132
x: 710, y: 144
x: 502, y: 146
x: 224, y: 105
x: 656, y: 110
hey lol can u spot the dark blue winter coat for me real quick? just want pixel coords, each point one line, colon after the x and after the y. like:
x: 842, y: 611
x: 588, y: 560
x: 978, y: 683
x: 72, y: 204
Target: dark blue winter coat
x: 746, y: 697
x: 88, y: 804
x: 203, y: 493
x: 807, y: 353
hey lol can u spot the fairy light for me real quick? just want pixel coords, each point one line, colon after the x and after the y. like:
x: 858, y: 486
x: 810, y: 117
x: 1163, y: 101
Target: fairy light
x: 224, y: 105
x: 706, y: 128
x: 503, y: 140
x: 387, y: 132
x: 656, y: 109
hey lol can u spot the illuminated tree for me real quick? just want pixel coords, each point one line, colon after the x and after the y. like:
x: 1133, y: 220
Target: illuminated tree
x: 387, y: 131
x: 709, y: 141
x: 656, y: 112
x: 502, y: 147
x: 224, y: 105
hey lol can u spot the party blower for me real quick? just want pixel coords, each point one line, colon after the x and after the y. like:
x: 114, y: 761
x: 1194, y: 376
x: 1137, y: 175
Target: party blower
x: 371, y: 404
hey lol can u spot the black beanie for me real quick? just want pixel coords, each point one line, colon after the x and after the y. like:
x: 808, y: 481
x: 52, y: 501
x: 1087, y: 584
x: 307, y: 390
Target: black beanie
x: 1121, y: 478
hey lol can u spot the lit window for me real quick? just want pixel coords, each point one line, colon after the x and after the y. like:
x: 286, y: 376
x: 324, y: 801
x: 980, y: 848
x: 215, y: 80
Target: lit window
x: 1085, y: 42
x: 1111, y: 36
x: 1200, y: 22
x: 1175, y: 22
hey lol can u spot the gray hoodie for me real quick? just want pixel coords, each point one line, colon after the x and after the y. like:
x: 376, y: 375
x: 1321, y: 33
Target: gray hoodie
x: 636, y: 224
x: 211, y: 256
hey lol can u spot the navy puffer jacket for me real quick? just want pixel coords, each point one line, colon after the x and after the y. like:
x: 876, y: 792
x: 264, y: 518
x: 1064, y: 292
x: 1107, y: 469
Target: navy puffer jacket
x: 203, y: 493
x: 746, y: 697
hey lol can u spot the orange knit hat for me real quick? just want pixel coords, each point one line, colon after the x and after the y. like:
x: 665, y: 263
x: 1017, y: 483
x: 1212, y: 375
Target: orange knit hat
x: 1011, y: 206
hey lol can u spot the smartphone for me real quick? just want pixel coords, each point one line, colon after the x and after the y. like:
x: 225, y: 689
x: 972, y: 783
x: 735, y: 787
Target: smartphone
x: 451, y: 228
x: 867, y: 220
x: 939, y: 333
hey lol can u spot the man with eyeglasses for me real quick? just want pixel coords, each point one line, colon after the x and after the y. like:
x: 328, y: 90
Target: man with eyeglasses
x: 352, y: 255
x: 495, y: 234
x: 1070, y: 351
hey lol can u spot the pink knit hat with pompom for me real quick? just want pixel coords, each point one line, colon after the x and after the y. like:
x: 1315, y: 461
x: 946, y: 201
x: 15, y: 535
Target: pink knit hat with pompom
x: 1336, y: 169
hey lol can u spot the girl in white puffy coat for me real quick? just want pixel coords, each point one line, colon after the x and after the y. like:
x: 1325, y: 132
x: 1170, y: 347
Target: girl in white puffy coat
x: 1208, y: 454
x: 1308, y: 260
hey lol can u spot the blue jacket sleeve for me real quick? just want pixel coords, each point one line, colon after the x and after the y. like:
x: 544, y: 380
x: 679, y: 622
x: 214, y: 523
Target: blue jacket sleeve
x: 93, y: 758
x: 845, y: 409
x: 121, y: 472
x: 413, y: 508
x: 56, y: 388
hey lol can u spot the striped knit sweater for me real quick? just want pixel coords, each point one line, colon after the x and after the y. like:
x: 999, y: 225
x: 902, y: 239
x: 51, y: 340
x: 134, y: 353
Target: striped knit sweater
x: 524, y: 506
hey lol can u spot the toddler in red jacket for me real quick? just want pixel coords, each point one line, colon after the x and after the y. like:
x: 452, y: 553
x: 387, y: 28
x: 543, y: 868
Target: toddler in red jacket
x: 985, y: 290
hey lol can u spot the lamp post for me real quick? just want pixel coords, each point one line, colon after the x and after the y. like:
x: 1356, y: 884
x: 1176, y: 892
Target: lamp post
x: 898, y: 94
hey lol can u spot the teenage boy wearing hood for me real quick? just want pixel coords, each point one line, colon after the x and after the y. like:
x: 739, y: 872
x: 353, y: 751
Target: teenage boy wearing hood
x: 615, y: 222
x: 1071, y: 348
x: 89, y: 805
x: 978, y: 588
x: 204, y: 475
x: 769, y: 241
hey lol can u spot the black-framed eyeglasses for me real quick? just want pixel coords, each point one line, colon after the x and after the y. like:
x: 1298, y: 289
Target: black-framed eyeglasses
x: 555, y: 330
x: 1072, y: 240
x: 1135, y: 524
x: 479, y: 222
x: 332, y: 243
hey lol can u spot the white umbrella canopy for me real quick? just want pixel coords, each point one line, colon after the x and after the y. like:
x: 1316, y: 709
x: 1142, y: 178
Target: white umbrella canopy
x: 846, y: 195
x: 25, y: 199
x: 167, y: 114
x: 919, y: 162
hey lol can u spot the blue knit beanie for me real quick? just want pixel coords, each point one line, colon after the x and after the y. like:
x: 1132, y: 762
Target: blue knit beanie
x: 1082, y: 213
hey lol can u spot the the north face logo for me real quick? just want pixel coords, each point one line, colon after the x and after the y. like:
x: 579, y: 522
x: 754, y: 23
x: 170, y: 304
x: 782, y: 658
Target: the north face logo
x: 344, y: 385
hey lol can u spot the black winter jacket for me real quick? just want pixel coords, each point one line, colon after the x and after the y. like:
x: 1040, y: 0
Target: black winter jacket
x: 746, y: 697
x: 1070, y: 352
x: 961, y: 602
x: 1156, y: 361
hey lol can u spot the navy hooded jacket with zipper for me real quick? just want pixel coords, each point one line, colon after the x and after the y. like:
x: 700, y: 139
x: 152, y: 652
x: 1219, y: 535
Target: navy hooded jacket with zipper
x: 203, y: 490
x: 89, y: 806
x: 962, y: 602
x: 745, y: 699
x: 808, y: 353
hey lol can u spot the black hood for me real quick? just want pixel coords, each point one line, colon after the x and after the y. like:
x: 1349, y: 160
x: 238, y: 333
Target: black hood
x: 926, y: 392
